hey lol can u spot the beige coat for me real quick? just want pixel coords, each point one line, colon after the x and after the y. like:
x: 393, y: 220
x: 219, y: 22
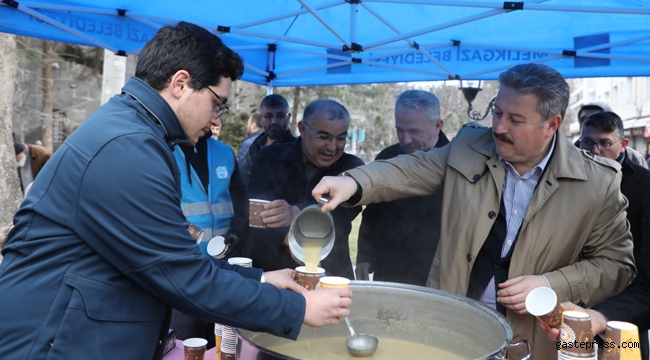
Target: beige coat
x: 574, y: 231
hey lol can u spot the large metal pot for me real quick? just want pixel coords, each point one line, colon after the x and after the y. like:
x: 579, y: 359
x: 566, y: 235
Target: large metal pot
x: 405, y: 312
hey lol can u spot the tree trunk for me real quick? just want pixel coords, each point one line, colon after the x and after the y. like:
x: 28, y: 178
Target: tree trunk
x: 10, y: 194
x: 294, y: 112
x: 48, y: 140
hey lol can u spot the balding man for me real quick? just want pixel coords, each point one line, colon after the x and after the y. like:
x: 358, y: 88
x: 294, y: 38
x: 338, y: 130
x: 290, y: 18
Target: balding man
x: 287, y: 172
x: 403, y: 234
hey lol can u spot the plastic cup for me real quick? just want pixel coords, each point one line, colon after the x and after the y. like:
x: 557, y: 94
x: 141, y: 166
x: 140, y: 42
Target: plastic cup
x: 333, y: 282
x: 241, y: 261
x: 217, y: 248
x: 309, y: 279
x: 621, y: 341
x: 194, y: 348
x: 576, y: 334
x: 542, y: 303
x: 256, y: 206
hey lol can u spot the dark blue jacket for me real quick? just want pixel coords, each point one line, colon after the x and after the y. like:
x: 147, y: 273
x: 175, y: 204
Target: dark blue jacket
x: 100, y: 248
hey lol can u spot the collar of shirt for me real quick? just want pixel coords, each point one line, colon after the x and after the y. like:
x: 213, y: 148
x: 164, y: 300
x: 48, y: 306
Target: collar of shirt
x: 538, y: 169
x: 621, y: 158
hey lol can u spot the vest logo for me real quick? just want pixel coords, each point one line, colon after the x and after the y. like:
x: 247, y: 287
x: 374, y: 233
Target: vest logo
x: 222, y: 172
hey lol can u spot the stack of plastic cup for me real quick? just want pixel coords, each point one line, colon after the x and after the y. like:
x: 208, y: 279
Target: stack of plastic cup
x: 228, y: 335
x: 228, y: 343
x: 241, y: 261
x: 218, y: 331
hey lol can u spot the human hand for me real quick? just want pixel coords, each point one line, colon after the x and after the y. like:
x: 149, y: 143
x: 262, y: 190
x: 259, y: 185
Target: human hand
x: 598, y: 321
x: 362, y: 271
x: 284, y: 279
x: 234, y: 245
x: 336, y: 188
x: 514, y: 291
x: 279, y: 213
x: 326, y: 307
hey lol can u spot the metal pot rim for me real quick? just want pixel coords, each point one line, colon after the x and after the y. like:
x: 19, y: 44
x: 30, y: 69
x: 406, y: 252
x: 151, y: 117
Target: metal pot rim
x: 498, y: 318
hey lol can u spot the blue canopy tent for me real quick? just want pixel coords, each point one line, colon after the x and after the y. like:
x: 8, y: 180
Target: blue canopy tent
x: 328, y: 42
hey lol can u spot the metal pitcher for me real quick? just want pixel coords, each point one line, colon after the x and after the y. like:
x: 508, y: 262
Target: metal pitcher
x: 314, y: 225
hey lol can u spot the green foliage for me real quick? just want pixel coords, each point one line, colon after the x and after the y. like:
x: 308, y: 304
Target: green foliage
x: 92, y: 58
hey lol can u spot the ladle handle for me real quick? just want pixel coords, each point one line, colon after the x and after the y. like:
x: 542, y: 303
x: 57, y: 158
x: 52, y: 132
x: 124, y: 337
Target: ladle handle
x: 323, y: 200
x: 347, y: 321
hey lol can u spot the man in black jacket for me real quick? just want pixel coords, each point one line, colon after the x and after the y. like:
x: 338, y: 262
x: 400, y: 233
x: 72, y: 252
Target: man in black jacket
x: 287, y: 172
x: 275, y: 118
x: 633, y: 304
x: 602, y: 134
x: 403, y: 234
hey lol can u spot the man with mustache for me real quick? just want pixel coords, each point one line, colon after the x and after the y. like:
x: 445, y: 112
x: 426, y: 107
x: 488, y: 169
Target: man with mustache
x: 275, y: 116
x: 522, y: 206
x: 403, y: 234
x: 101, y: 252
x: 286, y: 173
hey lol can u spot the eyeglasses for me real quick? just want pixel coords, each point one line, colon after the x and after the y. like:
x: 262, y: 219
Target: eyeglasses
x: 602, y: 145
x: 326, y: 137
x: 279, y: 116
x: 223, y: 107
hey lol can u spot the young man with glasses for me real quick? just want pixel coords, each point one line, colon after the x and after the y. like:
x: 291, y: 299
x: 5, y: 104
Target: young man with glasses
x: 597, y: 106
x: 602, y: 134
x: 286, y: 174
x: 213, y: 199
x: 275, y: 118
x: 100, y: 251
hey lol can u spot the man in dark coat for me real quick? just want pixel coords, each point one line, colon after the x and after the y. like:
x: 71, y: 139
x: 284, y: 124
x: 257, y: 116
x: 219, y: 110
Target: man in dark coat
x: 100, y: 250
x: 633, y: 304
x: 398, y: 239
x: 30, y: 159
x: 275, y: 118
x: 602, y: 134
x: 590, y: 108
x: 286, y: 174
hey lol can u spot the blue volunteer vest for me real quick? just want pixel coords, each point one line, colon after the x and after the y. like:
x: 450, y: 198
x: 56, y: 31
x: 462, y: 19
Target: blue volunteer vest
x: 213, y: 210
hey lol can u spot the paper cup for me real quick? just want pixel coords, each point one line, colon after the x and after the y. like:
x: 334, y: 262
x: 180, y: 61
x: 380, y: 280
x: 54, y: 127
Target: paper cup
x: 256, y: 206
x: 241, y: 261
x: 218, y: 331
x: 194, y: 348
x: 196, y: 233
x: 542, y: 303
x: 307, y: 279
x: 576, y: 336
x: 217, y: 248
x: 621, y: 341
x: 333, y: 282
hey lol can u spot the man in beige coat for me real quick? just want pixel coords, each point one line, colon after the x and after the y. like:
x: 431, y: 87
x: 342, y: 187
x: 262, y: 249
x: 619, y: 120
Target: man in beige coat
x: 522, y: 206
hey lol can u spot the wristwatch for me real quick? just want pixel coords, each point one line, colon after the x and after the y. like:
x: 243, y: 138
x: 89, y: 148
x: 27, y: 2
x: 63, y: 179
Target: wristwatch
x: 263, y: 278
x: 356, y: 197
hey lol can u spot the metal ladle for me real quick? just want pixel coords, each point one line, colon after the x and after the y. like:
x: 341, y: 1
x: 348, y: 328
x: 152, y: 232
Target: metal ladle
x: 360, y: 345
